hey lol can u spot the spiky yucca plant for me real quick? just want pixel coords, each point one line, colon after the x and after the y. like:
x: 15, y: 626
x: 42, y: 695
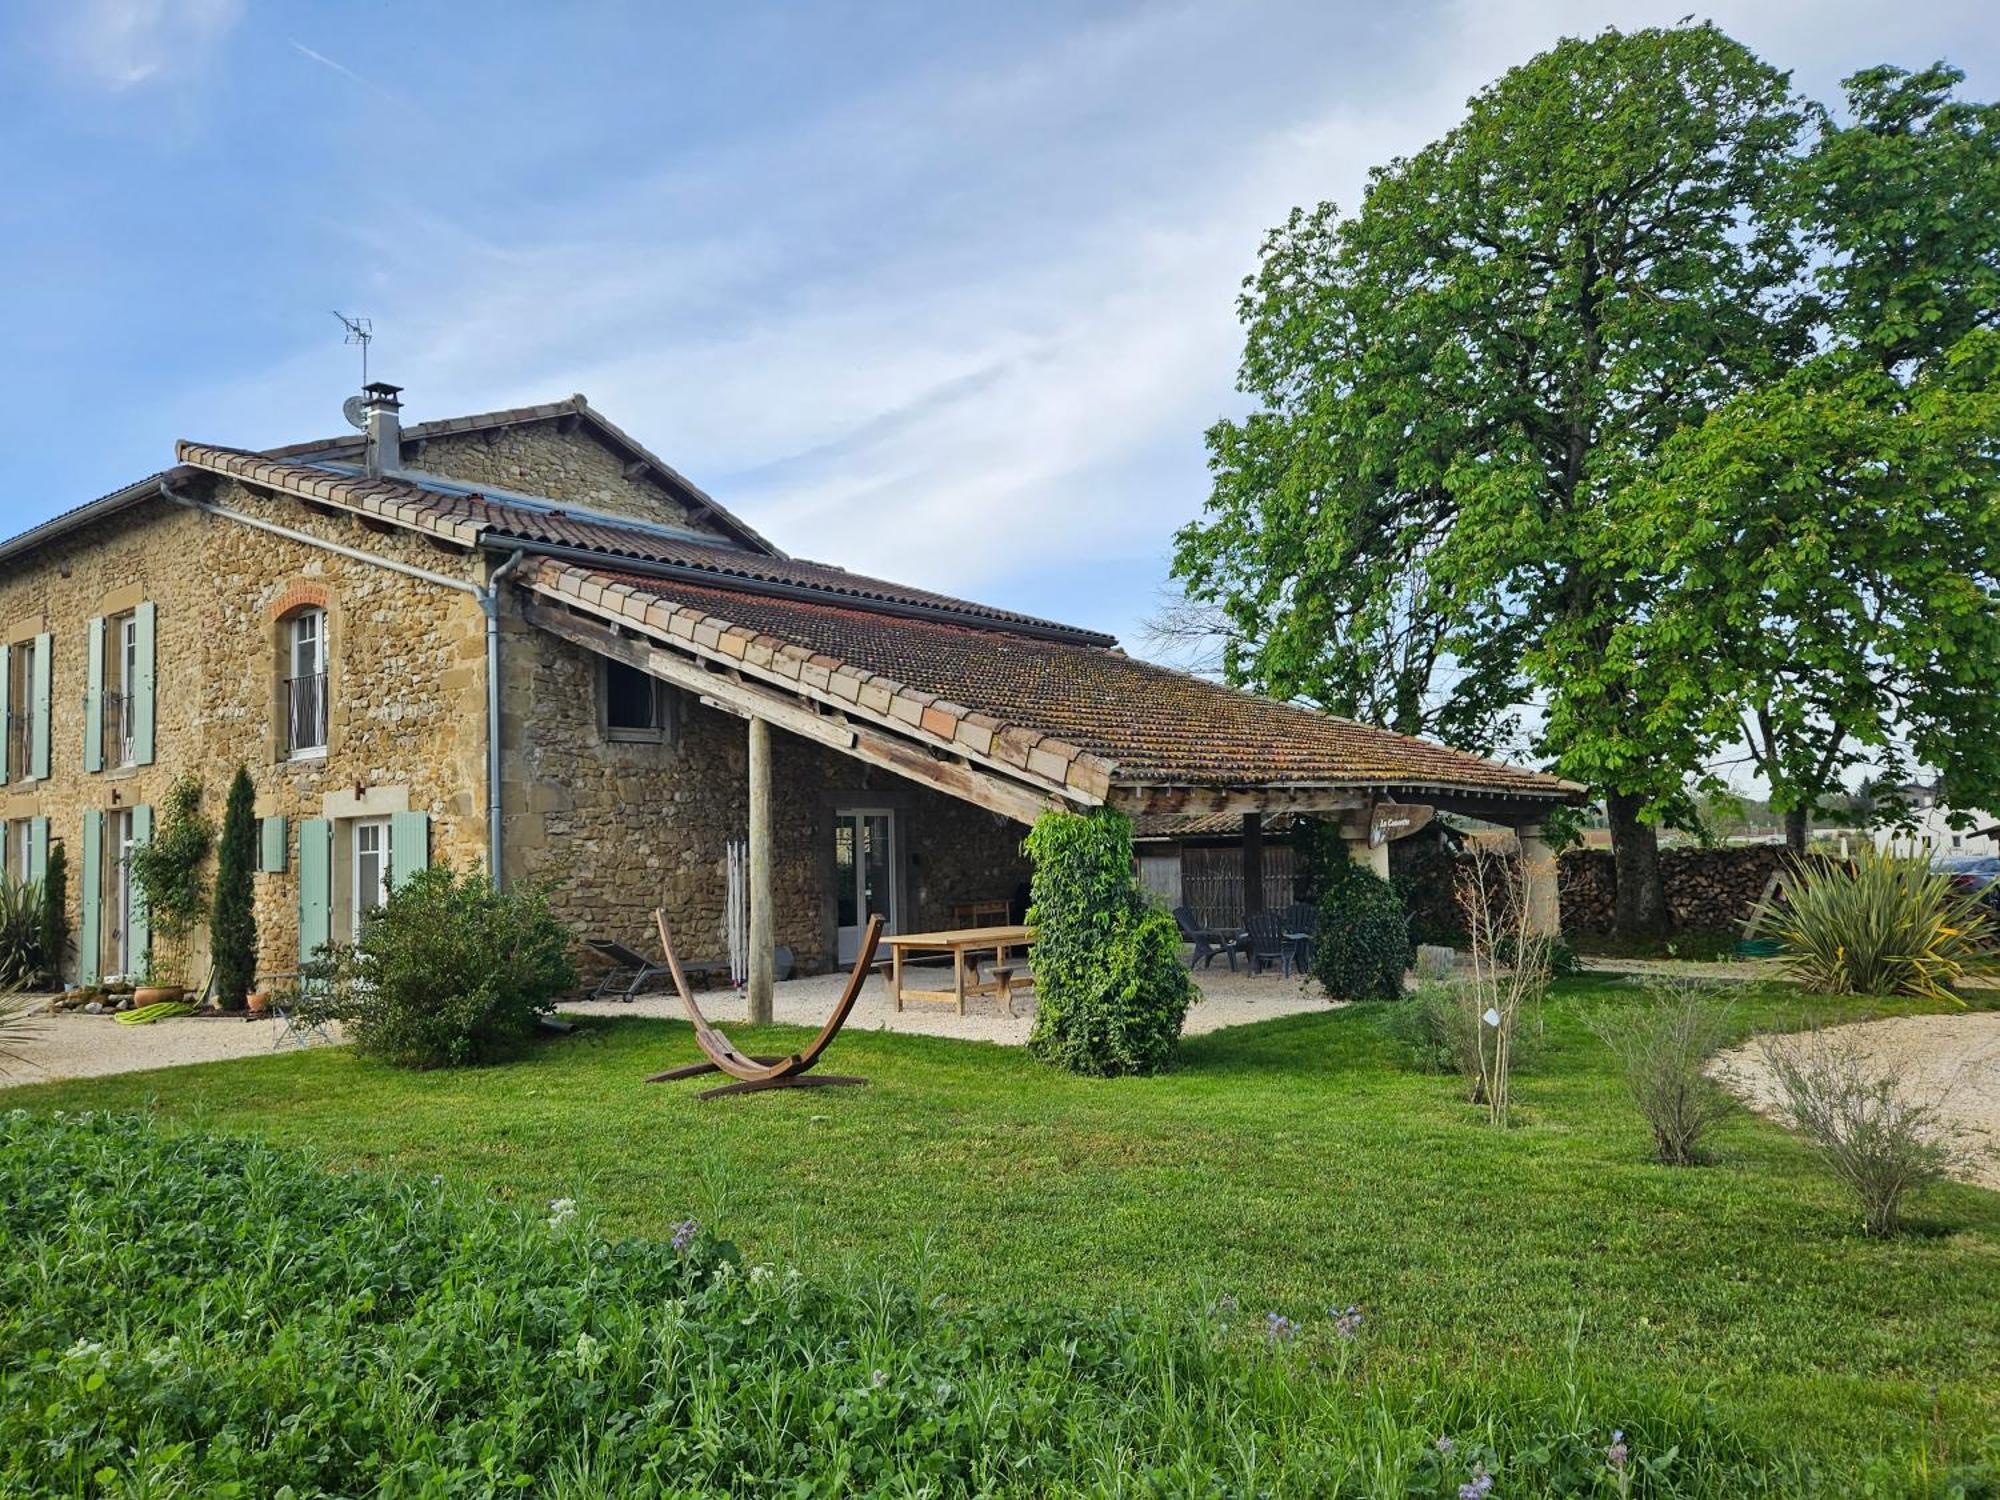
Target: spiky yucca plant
x: 20, y: 932
x: 1880, y: 925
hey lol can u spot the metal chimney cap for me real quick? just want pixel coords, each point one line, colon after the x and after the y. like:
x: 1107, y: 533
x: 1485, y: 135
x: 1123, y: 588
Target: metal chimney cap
x: 382, y: 391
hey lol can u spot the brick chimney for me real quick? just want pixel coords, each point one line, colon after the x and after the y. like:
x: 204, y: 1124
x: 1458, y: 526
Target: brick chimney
x: 384, y: 427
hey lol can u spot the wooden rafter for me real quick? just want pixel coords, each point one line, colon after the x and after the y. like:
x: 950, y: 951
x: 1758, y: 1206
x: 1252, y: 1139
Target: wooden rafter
x: 729, y: 690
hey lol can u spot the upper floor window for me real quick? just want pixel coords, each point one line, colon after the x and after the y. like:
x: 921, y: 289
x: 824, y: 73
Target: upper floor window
x: 635, y: 706
x: 305, y: 688
x: 121, y: 677
x: 20, y: 690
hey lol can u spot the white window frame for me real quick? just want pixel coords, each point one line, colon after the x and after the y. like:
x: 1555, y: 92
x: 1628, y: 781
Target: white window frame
x: 119, y: 841
x: 294, y: 639
x: 128, y: 675
x: 663, y: 708
x: 358, y: 905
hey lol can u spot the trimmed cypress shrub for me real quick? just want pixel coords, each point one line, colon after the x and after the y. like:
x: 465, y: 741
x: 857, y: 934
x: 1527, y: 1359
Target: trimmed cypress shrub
x: 53, y: 942
x: 232, y: 922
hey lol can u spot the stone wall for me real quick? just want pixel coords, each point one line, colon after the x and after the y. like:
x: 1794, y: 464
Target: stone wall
x: 539, y: 458
x: 1707, y: 889
x: 618, y: 828
x: 406, y: 677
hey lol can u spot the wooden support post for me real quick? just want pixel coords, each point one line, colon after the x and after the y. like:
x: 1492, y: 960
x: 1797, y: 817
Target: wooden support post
x: 762, y: 927
x: 1538, y: 880
x: 1253, y: 864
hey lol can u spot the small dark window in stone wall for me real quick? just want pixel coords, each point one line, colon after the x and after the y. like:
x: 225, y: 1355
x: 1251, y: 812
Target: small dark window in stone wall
x: 635, y: 705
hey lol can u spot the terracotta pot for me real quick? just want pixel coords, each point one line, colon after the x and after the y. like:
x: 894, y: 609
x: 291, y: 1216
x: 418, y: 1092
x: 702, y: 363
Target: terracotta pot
x: 154, y: 994
x: 259, y: 1002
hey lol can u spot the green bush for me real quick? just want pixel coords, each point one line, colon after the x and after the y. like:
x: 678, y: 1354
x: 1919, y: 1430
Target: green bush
x: 1880, y: 925
x: 1362, y: 947
x: 449, y: 971
x: 185, y: 1315
x: 1663, y: 1046
x: 232, y: 920
x: 1439, y: 1022
x: 1110, y: 991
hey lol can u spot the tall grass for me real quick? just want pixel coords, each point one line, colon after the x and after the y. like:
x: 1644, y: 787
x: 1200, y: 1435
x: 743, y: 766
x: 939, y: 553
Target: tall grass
x: 1881, y: 925
x: 193, y: 1316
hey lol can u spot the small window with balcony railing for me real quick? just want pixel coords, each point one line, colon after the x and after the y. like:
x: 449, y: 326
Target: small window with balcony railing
x: 303, y: 699
x: 19, y: 688
x: 121, y: 677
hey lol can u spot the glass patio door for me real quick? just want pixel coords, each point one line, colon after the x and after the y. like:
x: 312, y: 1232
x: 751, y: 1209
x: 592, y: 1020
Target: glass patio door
x: 864, y: 873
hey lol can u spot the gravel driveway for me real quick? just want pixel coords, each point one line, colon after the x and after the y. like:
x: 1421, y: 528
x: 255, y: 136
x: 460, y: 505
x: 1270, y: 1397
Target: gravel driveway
x: 74, y: 1045
x: 1955, y: 1058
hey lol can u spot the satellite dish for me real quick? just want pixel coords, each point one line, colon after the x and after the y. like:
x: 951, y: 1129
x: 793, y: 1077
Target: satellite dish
x: 356, y: 412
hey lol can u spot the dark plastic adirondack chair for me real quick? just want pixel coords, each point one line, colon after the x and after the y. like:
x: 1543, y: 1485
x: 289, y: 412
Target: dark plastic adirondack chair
x: 1302, y: 917
x: 1207, y: 941
x: 1268, y: 943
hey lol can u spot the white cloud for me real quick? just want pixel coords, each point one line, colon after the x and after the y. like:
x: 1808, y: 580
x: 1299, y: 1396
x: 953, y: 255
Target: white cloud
x: 118, y: 44
x: 964, y: 325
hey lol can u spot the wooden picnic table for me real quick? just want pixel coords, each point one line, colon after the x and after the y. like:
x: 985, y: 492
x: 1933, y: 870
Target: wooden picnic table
x: 961, y: 943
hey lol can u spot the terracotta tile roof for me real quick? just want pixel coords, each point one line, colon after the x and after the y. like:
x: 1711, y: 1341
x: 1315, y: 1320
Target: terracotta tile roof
x: 1154, y: 826
x: 349, y: 445
x: 473, y: 518
x: 1151, y: 725
x: 1063, y: 707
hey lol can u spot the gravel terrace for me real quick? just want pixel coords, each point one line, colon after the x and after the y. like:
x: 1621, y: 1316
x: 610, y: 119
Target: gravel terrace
x: 80, y: 1046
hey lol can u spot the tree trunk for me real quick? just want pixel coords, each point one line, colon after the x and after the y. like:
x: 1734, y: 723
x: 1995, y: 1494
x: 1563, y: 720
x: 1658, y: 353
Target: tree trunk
x: 1795, y: 829
x: 1635, y: 857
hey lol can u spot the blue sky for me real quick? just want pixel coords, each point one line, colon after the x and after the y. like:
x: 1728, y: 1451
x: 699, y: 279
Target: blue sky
x: 942, y: 292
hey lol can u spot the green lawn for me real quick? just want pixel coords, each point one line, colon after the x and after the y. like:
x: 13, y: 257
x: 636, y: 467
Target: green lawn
x: 1296, y: 1165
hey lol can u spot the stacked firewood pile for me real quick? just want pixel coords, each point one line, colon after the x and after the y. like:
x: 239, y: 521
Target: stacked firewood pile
x: 1707, y: 889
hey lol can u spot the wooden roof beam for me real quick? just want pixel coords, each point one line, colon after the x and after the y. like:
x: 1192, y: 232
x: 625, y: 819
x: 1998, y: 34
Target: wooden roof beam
x: 733, y: 693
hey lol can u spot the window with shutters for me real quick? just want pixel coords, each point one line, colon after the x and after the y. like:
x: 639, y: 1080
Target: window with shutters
x: 20, y: 691
x: 116, y: 714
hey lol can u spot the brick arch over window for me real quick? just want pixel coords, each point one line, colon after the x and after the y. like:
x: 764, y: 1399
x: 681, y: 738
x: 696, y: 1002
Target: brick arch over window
x: 301, y: 593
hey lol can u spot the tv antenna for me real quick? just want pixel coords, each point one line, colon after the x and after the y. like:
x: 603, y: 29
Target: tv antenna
x: 359, y: 331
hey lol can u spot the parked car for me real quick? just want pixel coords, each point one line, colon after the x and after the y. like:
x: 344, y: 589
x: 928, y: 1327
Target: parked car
x: 1975, y: 872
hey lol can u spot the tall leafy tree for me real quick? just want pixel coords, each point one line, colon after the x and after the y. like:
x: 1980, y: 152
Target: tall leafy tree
x: 1825, y: 549
x: 1455, y: 383
x: 232, y: 918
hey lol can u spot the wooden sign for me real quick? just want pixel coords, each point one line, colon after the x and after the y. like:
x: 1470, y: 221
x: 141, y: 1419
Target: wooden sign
x: 1397, y: 820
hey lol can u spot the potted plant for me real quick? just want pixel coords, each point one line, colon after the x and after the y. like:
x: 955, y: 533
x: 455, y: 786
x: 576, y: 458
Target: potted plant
x: 156, y: 982
x: 170, y: 871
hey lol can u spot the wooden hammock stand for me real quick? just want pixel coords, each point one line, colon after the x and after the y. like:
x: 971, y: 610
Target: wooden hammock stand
x: 753, y: 1074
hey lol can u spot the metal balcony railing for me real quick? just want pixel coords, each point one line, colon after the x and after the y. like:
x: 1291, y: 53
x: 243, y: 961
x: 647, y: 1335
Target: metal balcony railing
x: 305, y: 714
x: 117, y: 729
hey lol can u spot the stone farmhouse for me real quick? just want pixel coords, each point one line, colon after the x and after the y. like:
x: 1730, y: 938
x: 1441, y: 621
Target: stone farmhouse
x: 522, y: 639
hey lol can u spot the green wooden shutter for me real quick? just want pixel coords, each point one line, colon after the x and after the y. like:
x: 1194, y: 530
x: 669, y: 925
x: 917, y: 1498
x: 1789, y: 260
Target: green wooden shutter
x: 91, y: 878
x: 38, y: 849
x: 315, y: 887
x: 93, y: 699
x: 409, y: 846
x: 44, y: 660
x: 142, y: 925
x: 271, y: 845
x: 142, y: 689
x: 6, y: 706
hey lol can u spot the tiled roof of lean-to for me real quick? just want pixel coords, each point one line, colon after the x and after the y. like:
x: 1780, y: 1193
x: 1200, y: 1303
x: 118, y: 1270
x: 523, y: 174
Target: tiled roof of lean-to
x: 1152, y: 724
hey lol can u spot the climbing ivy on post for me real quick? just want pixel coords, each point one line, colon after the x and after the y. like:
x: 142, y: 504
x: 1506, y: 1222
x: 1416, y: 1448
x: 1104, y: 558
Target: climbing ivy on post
x: 1110, y: 990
